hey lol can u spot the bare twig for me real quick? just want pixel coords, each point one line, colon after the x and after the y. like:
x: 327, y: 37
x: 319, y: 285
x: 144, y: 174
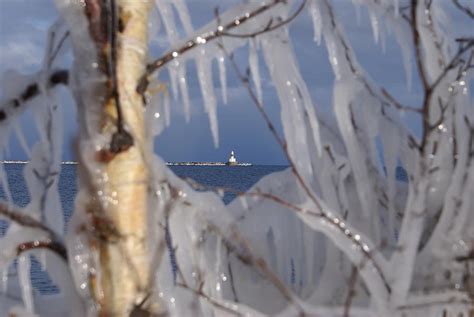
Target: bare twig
x: 270, y: 26
x: 351, y: 290
x: 465, y: 9
x: 200, y: 293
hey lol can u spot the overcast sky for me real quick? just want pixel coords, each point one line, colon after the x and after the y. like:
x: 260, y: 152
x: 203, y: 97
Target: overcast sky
x: 23, y: 31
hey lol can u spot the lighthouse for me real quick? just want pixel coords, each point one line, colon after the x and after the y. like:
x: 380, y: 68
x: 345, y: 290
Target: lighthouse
x: 232, y: 160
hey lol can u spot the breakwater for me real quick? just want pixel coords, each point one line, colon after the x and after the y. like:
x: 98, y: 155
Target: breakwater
x: 206, y: 164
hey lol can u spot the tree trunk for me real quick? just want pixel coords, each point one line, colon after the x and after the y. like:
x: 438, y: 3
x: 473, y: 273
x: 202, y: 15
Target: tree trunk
x: 124, y: 255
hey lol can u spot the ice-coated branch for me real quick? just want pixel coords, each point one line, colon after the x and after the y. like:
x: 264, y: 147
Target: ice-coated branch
x: 467, y: 46
x: 23, y: 219
x: 321, y: 219
x: 53, y: 246
x: 220, y: 31
x: 32, y: 90
x: 53, y: 243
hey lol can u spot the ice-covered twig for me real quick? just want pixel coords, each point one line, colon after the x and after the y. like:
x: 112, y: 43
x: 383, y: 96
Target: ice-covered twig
x: 51, y: 245
x: 23, y: 219
x: 320, y: 213
x: 468, y: 45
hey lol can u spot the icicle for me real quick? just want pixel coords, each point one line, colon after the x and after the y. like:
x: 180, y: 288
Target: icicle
x: 317, y: 21
x: 173, y: 74
x: 222, y: 76
x: 375, y: 25
x: 183, y: 87
x: 166, y: 12
x: 166, y: 108
x: 333, y: 57
x: 24, y: 265
x: 4, y: 280
x: 183, y: 13
x: 243, y: 202
x: 217, y: 269
x: 402, y: 34
x: 344, y: 93
x: 254, y: 68
x: 357, y: 10
x: 21, y: 138
x: 205, y: 80
x: 4, y: 181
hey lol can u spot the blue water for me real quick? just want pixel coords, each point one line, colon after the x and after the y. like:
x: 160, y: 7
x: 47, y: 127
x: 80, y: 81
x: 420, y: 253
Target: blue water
x: 237, y: 178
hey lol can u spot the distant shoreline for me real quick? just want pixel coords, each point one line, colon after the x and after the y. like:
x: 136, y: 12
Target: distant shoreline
x: 167, y: 163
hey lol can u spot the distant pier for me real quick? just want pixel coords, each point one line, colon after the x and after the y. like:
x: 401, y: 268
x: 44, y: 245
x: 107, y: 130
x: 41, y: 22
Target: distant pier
x: 205, y: 164
x: 167, y: 163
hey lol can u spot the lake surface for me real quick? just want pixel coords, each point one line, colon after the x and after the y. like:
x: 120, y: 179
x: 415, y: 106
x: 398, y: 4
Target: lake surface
x: 237, y: 178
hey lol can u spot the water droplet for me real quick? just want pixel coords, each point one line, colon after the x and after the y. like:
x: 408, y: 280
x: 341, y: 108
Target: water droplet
x: 200, y: 40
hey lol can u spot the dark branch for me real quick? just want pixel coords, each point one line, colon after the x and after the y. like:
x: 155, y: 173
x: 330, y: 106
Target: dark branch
x: 270, y: 26
x: 464, y: 9
x: 53, y: 246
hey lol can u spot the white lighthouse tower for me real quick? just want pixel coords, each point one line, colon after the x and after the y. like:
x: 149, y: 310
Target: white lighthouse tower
x: 232, y: 160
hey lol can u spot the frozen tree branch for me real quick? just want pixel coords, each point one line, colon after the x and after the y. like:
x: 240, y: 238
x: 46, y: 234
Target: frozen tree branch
x: 221, y: 30
x: 57, y: 77
x: 54, y: 243
x: 23, y: 219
